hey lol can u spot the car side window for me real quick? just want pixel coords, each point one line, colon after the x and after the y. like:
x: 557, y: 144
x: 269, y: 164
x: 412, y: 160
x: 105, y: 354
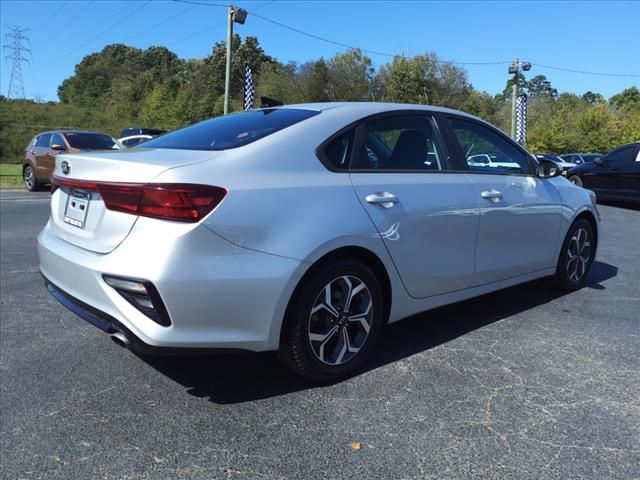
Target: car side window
x: 624, y: 154
x: 487, y: 151
x: 57, y: 139
x: 407, y: 142
x: 43, y: 140
x: 337, y: 152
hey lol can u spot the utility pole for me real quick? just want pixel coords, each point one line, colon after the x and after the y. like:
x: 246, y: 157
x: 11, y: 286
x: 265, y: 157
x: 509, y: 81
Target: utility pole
x: 237, y: 15
x: 514, y: 69
x: 14, y: 40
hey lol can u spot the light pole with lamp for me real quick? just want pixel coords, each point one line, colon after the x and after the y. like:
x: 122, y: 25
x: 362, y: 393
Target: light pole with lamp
x: 514, y: 69
x: 237, y: 15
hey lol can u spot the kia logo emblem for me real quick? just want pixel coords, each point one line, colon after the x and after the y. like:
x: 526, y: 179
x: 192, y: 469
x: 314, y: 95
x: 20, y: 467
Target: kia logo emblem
x: 66, y: 168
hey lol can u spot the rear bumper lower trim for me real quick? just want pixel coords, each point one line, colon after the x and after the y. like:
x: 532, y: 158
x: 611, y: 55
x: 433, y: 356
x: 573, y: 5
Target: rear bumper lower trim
x: 108, y: 324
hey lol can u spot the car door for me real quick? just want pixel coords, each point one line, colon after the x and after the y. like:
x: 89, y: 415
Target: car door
x: 48, y: 161
x: 42, y: 156
x: 519, y: 212
x: 620, y: 177
x: 426, y: 215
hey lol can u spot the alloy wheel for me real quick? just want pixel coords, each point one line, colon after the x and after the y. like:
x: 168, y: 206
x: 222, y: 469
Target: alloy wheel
x: 29, y: 178
x: 340, y: 320
x: 578, y: 255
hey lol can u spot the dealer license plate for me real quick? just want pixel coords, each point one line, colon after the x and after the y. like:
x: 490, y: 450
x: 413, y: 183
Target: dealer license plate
x: 77, y: 207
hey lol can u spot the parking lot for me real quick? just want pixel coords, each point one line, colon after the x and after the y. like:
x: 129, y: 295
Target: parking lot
x: 525, y: 383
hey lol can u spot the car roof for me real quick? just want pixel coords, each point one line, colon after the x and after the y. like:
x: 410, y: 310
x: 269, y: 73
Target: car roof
x: 371, y: 108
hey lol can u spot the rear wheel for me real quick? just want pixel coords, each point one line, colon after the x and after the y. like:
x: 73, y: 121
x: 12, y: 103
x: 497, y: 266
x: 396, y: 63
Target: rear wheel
x: 29, y: 177
x: 333, y: 322
x: 576, y: 180
x: 576, y: 257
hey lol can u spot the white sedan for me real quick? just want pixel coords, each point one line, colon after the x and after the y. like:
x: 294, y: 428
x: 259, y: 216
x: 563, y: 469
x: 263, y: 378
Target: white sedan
x: 305, y: 229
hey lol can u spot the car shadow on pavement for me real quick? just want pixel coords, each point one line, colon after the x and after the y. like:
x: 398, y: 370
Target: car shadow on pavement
x: 243, y: 377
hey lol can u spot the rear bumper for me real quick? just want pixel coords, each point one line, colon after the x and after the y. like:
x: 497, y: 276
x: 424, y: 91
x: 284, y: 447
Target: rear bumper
x: 110, y: 325
x: 219, y: 296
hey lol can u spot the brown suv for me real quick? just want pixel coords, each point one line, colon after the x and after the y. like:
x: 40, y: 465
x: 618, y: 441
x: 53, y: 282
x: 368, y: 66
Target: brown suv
x: 39, y: 157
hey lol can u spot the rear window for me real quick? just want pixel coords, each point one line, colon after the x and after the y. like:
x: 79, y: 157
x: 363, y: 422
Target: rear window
x: 91, y: 141
x: 231, y: 131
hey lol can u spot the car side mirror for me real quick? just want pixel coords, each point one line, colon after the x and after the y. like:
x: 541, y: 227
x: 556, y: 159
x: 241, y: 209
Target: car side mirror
x: 548, y: 168
x: 600, y: 161
x: 58, y: 147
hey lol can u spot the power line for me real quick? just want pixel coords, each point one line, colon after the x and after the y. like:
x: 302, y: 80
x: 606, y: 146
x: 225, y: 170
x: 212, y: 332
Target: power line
x: 390, y: 55
x: 63, y: 28
x: 104, y: 32
x: 208, y: 29
x: 161, y: 23
x: 562, y: 69
x: 16, y: 37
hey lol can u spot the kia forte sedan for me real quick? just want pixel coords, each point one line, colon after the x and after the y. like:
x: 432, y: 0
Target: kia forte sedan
x: 305, y: 229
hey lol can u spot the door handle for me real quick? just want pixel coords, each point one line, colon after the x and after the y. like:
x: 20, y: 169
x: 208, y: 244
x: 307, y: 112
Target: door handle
x: 48, y: 154
x: 493, y: 195
x: 33, y: 152
x: 384, y: 199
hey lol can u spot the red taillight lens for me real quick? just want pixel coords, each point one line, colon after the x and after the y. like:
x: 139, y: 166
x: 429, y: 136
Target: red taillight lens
x: 170, y: 201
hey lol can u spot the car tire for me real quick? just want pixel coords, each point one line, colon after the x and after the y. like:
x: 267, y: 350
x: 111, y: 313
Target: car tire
x: 324, y: 337
x: 29, y: 178
x: 576, y: 180
x: 576, y: 256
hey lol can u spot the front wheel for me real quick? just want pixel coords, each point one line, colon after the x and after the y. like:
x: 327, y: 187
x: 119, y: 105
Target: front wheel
x: 576, y: 180
x: 576, y: 257
x: 29, y: 177
x: 333, y: 321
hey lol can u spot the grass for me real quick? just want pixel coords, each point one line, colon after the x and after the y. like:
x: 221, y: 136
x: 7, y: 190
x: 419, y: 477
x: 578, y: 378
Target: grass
x: 10, y: 175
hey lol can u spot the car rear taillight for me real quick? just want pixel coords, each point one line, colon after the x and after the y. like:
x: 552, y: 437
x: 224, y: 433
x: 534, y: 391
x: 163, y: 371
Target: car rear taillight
x: 170, y: 201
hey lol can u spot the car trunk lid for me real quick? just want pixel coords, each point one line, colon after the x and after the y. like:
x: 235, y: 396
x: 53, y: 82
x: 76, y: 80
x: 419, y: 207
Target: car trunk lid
x: 78, y: 212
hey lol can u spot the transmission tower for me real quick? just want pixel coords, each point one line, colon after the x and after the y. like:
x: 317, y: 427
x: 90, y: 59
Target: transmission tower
x: 16, y: 45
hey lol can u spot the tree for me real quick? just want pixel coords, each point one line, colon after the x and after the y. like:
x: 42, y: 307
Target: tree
x: 627, y: 99
x: 539, y: 86
x: 350, y: 77
x: 592, y: 98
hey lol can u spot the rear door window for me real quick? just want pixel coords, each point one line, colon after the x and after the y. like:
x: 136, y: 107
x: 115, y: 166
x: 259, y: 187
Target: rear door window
x: 231, y: 131
x: 403, y: 142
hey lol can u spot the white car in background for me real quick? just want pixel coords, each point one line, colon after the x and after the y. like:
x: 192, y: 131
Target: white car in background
x: 305, y: 229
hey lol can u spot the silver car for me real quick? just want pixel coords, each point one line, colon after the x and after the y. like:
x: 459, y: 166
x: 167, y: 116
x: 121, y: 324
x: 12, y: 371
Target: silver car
x: 305, y: 229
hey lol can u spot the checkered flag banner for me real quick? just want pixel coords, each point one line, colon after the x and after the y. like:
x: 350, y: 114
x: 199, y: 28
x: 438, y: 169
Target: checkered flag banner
x: 249, y: 91
x: 521, y: 119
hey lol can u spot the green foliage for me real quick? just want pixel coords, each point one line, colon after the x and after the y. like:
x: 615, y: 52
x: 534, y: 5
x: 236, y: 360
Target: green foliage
x: 123, y: 86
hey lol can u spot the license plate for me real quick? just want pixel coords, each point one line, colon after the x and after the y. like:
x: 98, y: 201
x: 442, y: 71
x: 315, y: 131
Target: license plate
x: 77, y: 207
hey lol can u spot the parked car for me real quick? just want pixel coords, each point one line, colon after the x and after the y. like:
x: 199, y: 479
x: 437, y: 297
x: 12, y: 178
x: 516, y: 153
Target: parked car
x: 134, y: 140
x: 40, y: 154
x: 154, y: 132
x: 564, y: 165
x: 579, y: 158
x: 615, y: 176
x: 306, y: 229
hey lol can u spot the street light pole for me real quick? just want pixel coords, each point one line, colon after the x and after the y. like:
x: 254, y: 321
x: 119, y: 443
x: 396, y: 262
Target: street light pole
x: 237, y: 15
x: 227, y: 74
x: 514, y: 68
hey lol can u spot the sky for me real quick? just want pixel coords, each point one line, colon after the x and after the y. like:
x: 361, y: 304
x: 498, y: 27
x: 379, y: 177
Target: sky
x: 593, y: 36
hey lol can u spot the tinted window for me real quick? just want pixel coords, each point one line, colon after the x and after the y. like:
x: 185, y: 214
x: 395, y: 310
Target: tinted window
x: 408, y: 142
x: 57, y: 140
x: 43, y: 140
x: 590, y: 158
x: 231, y: 131
x: 625, y: 154
x: 134, y: 141
x: 91, y: 141
x: 338, y: 150
x: 487, y: 151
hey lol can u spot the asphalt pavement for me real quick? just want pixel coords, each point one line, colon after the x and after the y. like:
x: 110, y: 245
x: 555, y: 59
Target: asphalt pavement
x: 526, y: 383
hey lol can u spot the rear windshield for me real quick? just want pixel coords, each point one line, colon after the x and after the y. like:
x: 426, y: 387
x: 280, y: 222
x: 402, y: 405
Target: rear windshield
x: 231, y: 131
x: 91, y: 141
